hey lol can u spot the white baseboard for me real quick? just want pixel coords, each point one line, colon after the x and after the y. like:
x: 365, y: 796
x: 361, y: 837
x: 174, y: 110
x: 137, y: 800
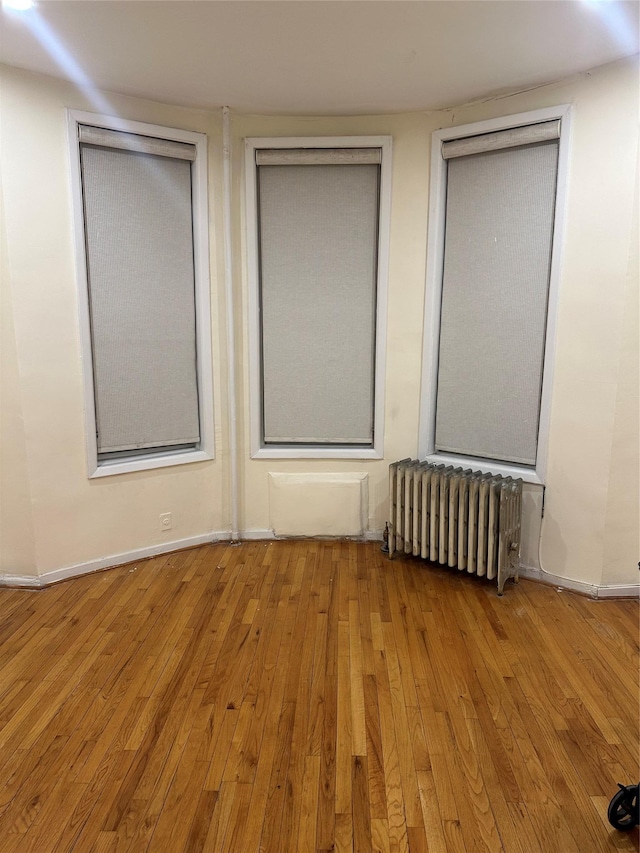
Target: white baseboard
x: 592, y: 590
x: 373, y: 535
x: 631, y: 590
x: 250, y: 535
x: 57, y: 575
x: 110, y: 562
x: 20, y: 581
x: 367, y: 536
x: 535, y: 574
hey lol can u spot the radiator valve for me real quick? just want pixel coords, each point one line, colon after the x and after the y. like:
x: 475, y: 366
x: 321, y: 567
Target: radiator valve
x: 385, y: 539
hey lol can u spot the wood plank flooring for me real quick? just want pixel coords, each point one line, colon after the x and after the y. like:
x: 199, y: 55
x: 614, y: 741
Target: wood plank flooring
x: 312, y: 696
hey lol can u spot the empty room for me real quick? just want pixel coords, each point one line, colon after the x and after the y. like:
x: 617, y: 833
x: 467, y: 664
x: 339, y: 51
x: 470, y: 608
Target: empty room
x: 309, y: 545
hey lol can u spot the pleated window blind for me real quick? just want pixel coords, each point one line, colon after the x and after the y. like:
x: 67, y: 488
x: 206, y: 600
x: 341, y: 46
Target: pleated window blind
x: 497, y: 253
x: 318, y: 237
x: 137, y: 199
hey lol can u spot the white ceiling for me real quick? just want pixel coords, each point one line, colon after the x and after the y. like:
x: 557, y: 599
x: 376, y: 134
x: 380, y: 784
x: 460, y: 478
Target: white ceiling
x: 302, y: 56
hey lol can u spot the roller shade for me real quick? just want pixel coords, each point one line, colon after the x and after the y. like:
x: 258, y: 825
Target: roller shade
x: 317, y: 156
x: 139, y: 248
x: 512, y: 138
x: 499, y: 230
x: 318, y: 231
x: 105, y: 138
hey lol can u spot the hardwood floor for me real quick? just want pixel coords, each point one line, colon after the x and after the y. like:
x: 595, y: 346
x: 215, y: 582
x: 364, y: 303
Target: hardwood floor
x: 312, y: 696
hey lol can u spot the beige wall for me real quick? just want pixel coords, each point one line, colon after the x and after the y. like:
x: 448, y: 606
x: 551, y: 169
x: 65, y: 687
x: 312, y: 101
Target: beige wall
x: 77, y: 520
x: 590, y: 529
x: 593, y: 290
x: 16, y: 528
x: 622, y: 529
x: 410, y: 181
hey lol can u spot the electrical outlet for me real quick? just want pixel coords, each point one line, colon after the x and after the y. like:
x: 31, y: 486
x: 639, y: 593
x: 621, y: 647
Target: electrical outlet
x: 165, y: 521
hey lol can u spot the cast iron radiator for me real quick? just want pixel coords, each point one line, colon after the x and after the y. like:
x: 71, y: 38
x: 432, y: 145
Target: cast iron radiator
x: 460, y: 518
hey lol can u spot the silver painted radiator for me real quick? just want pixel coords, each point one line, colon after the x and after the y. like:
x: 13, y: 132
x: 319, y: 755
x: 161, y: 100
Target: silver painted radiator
x: 459, y: 518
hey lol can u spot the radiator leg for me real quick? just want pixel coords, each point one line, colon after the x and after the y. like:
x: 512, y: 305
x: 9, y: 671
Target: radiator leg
x: 504, y: 577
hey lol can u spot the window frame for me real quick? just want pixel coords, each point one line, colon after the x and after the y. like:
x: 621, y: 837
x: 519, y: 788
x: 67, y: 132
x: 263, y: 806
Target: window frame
x: 433, y: 293
x: 260, y: 450
x: 137, y: 460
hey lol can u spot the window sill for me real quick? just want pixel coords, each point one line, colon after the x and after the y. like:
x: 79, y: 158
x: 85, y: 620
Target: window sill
x: 293, y: 452
x: 487, y: 466
x: 147, y: 463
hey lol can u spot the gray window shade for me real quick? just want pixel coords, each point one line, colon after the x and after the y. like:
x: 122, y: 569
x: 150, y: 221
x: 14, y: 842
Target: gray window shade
x: 500, y: 139
x: 139, y: 245
x: 499, y: 228
x: 89, y: 135
x: 318, y: 228
x: 316, y: 156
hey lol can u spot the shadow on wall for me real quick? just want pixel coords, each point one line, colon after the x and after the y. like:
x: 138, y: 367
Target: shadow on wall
x: 551, y: 534
x: 531, y: 549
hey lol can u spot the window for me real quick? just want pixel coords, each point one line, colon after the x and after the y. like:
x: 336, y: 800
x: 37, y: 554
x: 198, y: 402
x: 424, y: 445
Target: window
x: 494, y: 233
x: 140, y: 195
x: 318, y: 212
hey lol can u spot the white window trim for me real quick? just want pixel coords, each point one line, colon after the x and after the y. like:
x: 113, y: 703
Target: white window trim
x: 258, y: 449
x: 206, y: 448
x: 435, y: 260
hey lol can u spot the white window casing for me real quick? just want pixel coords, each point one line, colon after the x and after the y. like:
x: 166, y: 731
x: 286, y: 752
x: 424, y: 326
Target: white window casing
x: 141, y: 228
x: 496, y: 217
x: 318, y: 258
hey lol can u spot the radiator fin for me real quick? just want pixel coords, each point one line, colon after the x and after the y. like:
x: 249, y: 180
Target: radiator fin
x: 463, y: 519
